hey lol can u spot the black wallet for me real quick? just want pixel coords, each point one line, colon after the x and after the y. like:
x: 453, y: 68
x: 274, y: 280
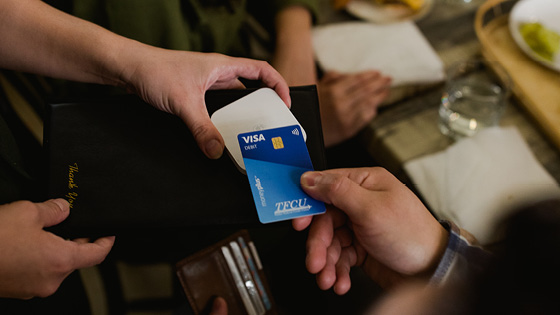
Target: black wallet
x: 122, y: 164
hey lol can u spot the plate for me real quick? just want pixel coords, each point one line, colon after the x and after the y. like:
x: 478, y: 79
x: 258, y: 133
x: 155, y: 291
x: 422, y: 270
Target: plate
x: 373, y: 12
x: 544, y: 12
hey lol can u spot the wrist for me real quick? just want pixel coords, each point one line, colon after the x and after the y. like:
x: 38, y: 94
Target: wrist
x: 293, y: 56
x: 437, y: 251
x: 123, y: 65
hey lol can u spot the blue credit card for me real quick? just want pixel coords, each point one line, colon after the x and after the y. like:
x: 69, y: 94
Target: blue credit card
x: 274, y: 160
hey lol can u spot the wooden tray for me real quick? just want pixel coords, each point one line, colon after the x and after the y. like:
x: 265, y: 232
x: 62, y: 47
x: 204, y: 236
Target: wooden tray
x: 536, y: 87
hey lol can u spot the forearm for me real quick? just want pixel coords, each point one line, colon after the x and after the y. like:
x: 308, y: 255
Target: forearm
x: 38, y: 38
x: 294, y: 50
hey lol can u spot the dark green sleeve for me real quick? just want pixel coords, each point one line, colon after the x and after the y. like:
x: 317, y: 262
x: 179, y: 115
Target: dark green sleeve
x: 265, y: 11
x: 191, y: 25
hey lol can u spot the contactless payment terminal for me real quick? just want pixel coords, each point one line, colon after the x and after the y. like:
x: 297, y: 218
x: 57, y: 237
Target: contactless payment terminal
x: 259, y: 110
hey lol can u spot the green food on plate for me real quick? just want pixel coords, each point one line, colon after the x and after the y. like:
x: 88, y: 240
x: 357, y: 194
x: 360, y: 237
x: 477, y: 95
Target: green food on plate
x: 542, y: 41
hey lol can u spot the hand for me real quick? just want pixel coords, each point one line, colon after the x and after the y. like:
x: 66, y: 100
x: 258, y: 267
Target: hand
x: 219, y: 306
x: 349, y: 102
x: 176, y: 82
x: 172, y: 81
x: 375, y: 222
x: 34, y: 262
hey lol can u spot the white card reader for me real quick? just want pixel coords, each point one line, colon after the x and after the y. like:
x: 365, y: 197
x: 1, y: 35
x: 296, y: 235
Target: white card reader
x: 260, y: 110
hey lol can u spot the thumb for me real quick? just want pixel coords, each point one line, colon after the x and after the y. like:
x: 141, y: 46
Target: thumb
x: 53, y: 211
x: 219, y: 306
x: 203, y: 130
x: 208, y: 139
x: 338, y: 190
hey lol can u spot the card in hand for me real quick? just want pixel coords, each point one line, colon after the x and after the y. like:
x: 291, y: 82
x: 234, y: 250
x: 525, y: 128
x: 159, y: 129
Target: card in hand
x: 274, y: 160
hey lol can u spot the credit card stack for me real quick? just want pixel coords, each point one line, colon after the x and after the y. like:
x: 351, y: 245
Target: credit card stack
x: 231, y: 269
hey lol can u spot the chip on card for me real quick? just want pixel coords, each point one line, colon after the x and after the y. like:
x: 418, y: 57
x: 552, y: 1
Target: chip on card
x: 274, y: 160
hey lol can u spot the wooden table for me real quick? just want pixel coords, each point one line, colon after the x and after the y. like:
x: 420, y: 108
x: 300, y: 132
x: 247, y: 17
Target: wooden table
x: 409, y: 129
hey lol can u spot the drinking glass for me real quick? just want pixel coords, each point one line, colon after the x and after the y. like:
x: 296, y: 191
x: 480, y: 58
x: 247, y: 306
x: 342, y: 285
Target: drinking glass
x: 474, y: 97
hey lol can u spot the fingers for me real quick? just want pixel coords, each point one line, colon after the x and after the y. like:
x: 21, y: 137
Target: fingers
x: 328, y: 238
x: 85, y: 254
x: 354, y: 191
x: 224, y: 72
x: 319, y: 240
x: 330, y: 77
x: 53, y: 211
x: 219, y: 306
x: 338, y: 190
x: 195, y: 115
x: 273, y: 79
x: 234, y: 85
x: 369, y: 97
x: 327, y: 277
x: 261, y: 70
x: 358, y: 85
x: 349, y: 102
x: 343, y: 266
x: 367, y: 91
x: 284, y: 93
x: 300, y: 224
x: 90, y: 254
x: 372, y: 83
x: 371, y: 178
x: 336, y: 273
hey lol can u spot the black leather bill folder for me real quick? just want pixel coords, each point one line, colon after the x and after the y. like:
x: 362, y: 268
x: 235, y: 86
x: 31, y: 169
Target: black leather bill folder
x: 123, y: 164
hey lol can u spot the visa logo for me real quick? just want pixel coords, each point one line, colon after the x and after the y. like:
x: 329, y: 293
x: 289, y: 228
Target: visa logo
x: 253, y: 138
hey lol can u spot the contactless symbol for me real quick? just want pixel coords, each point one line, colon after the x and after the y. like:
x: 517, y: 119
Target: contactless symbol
x: 295, y: 132
x: 277, y: 143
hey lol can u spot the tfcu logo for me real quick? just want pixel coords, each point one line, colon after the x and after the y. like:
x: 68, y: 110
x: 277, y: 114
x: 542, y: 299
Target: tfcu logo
x: 291, y: 206
x: 253, y: 138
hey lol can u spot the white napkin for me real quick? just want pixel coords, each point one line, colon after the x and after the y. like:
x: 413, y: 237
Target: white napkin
x: 399, y: 50
x: 478, y: 180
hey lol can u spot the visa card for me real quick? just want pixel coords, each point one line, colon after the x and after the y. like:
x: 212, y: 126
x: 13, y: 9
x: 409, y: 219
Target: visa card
x: 274, y: 160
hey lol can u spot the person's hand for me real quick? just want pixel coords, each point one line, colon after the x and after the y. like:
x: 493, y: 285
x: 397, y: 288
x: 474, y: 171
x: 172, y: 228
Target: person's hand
x: 349, y: 102
x: 171, y: 80
x: 34, y: 262
x: 176, y: 82
x: 219, y: 306
x: 375, y: 222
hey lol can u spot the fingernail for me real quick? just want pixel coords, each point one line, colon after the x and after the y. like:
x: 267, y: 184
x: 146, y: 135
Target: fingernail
x: 309, y: 179
x: 61, y: 203
x: 214, y: 149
